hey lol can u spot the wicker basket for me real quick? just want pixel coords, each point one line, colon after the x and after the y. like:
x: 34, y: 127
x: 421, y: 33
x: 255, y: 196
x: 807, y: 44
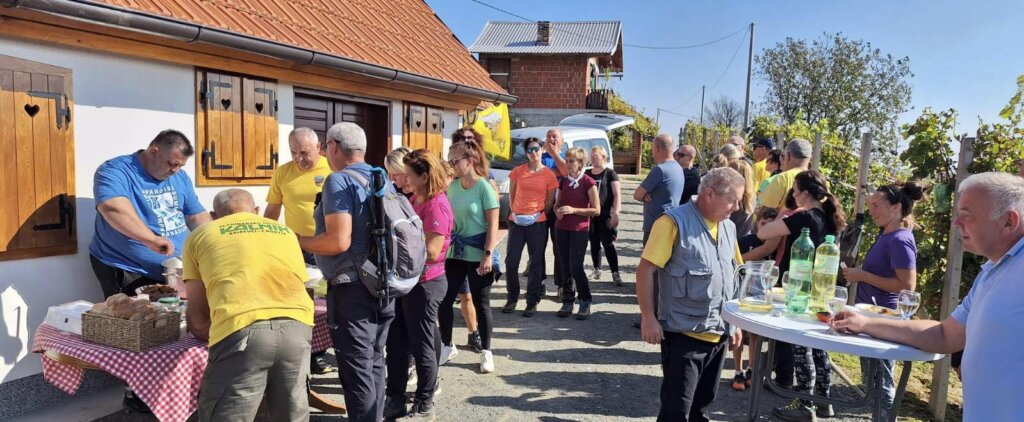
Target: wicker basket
x: 135, y: 336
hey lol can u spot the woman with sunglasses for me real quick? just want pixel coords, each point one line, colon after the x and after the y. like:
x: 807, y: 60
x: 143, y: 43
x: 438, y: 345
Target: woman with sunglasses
x: 414, y: 326
x: 531, y: 192
x: 475, y: 207
x: 577, y: 201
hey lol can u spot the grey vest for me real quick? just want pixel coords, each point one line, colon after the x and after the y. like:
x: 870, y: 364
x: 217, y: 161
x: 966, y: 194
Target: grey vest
x: 698, y: 278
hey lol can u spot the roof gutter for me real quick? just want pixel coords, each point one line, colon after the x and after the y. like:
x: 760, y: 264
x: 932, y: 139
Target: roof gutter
x: 193, y: 33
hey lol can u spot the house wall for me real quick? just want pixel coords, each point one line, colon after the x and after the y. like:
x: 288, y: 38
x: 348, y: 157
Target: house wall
x: 120, y: 104
x: 548, y: 81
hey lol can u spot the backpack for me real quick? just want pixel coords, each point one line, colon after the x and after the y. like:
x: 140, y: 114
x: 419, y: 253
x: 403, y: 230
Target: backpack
x: 398, y: 250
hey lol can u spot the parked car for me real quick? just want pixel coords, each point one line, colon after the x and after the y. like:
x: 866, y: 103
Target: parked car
x: 578, y: 131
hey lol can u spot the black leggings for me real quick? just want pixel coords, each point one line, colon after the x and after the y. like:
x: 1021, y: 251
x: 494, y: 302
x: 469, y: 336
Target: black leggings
x: 457, y: 271
x: 572, y: 253
x: 602, y: 235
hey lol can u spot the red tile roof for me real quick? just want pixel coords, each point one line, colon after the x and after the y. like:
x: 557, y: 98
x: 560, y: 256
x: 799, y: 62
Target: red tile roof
x: 400, y: 34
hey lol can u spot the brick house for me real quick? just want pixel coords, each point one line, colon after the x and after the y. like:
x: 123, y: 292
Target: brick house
x: 555, y: 68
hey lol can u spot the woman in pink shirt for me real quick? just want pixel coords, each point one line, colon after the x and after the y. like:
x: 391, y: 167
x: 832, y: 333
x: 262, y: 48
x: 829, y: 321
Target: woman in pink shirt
x: 577, y: 201
x: 414, y: 328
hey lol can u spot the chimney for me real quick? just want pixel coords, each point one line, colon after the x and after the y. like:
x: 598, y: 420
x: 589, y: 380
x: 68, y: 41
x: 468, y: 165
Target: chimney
x: 543, y: 32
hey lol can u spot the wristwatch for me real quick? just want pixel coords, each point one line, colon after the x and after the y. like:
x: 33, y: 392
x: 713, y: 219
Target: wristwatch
x: 487, y: 252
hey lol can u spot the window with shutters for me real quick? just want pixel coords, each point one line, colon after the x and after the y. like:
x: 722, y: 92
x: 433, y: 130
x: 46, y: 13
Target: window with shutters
x: 500, y: 69
x: 424, y: 128
x: 37, y: 180
x: 236, y: 129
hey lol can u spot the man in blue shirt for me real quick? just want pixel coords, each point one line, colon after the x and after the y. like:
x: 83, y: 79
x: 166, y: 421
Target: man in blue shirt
x: 663, y: 187
x: 146, y: 207
x: 553, y: 158
x: 990, y: 217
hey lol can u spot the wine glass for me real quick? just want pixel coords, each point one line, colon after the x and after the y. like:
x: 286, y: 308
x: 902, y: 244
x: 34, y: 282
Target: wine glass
x: 908, y: 302
x: 836, y: 305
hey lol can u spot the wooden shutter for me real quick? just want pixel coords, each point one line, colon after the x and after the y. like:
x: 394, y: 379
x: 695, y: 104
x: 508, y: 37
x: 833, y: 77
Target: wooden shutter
x: 260, y: 151
x: 415, y: 126
x: 37, y: 209
x: 435, y: 129
x: 220, y: 146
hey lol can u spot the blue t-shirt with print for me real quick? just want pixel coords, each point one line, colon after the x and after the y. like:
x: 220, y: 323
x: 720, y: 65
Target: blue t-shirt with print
x: 162, y: 205
x: 343, y: 193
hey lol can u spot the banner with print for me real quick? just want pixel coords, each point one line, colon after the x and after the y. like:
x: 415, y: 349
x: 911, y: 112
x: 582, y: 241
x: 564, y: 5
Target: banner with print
x: 494, y: 126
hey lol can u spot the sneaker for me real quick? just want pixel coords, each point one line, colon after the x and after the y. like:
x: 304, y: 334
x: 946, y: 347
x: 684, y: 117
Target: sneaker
x: 475, y: 342
x: 595, y: 275
x: 422, y: 411
x: 319, y: 365
x: 739, y: 382
x: 616, y: 279
x: 796, y: 411
x: 566, y: 310
x: 749, y: 377
x: 530, y: 310
x: 412, y: 379
x: 510, y: 307
x: 448, y: 352
x: 133, y: 402
x: 584, y: 312
x: 486, y: 362
x: 394, y: 409
x: 824, y: 411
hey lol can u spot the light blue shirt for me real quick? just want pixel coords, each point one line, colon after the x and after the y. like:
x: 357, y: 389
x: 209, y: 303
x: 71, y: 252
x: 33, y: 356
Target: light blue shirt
x: 993, y: 313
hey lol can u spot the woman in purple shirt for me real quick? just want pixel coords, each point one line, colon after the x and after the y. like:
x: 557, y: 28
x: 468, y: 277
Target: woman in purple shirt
x: 890, y: 264
x: 577, y: 202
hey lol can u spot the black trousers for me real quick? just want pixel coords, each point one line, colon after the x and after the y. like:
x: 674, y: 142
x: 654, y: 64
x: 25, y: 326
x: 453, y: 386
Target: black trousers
x: 359, y: 340
x: 535, y: 238
x: 551, y: 218
x: 691, y: 369
x: 603, y: 235
x: 412, y: 332
x: 784, y: 364
x: 457, y: 271
x: 573, y: 251
x: 114, y: 280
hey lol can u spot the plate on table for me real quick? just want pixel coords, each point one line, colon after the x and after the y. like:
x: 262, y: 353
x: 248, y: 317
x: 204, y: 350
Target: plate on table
x: 875, y: 311
x: 778, y: 295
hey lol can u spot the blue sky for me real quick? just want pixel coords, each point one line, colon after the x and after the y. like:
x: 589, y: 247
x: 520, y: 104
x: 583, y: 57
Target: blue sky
x: 965, y: 55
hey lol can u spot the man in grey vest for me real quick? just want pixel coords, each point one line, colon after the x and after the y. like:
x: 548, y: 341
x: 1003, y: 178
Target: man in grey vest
x: 693, y: 250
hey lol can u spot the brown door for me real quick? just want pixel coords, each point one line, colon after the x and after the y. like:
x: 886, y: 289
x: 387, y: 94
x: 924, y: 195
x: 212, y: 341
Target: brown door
x: 320, y: 113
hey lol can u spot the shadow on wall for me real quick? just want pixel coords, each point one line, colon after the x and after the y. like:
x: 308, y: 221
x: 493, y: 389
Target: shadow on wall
x: 13, y: 330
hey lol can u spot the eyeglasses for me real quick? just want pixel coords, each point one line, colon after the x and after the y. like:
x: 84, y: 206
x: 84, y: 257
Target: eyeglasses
x: 532, y: 150
x: 465, y: 137
x: 679, y: 155
x: 571, y: 160
x: 455, y: 161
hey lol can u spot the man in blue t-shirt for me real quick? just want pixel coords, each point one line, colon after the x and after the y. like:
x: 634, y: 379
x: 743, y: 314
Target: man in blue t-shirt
x: 554, y: 159
x: 146, y: 207
x: 663, y: 187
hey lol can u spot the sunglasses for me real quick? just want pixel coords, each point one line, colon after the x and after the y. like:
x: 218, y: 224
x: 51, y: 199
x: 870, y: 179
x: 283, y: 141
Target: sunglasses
x: 681, y: 155
x: 532, y: 150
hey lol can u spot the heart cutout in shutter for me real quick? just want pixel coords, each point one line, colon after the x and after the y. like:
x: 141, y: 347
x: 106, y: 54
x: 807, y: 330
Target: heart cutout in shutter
x: 259, y: 107
x: 418, y: 123
x: 226, y: 103
x: 31, y: 109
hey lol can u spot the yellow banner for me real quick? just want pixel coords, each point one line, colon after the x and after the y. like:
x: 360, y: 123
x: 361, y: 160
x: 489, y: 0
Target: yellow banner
x: 493, y: 124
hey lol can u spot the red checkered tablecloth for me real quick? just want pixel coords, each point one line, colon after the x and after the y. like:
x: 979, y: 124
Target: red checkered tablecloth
x: 165, y: 377
x: 321, y: 332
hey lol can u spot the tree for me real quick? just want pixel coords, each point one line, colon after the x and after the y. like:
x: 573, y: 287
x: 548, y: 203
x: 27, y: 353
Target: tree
x: 622, y: 138
x: 847, y: 82
x: 726, y: 112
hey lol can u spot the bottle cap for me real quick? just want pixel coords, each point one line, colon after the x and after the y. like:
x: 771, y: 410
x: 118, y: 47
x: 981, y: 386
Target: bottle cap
x: 169, y: 300
x: 830, y: 238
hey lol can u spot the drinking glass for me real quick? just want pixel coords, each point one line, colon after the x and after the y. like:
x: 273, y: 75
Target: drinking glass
x: 908, y: 302
x: 836, y: 305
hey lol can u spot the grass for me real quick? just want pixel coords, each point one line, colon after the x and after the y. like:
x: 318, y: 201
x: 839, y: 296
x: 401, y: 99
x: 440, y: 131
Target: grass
x: 915, y: 406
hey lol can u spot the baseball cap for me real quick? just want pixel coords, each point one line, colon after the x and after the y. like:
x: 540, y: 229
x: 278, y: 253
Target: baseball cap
x: 764, y: 142
x: 799, y: 148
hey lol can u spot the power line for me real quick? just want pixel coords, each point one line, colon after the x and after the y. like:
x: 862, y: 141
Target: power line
x: 727, y: 66
x: 648, y: 47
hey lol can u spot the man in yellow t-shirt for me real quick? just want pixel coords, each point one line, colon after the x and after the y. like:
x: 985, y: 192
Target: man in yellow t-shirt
x: 762, y: 146
x: 795, y: 160
x: 691, y: 331
x: 245, y: 278
x: 295, y: 184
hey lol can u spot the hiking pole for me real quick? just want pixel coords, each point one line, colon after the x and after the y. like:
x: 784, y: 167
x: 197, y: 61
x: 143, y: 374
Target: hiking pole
x: 377, y: 184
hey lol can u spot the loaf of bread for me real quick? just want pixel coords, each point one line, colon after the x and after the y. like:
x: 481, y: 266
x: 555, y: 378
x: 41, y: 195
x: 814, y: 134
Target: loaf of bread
x: 124, y: 307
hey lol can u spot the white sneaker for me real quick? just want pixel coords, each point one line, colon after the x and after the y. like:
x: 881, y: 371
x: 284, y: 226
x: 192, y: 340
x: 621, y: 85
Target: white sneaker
x: 595, y: 275
x: 448, y: 352
x: 486, y: 362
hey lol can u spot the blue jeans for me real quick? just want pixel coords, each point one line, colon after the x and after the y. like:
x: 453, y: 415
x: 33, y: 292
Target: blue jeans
x: 888, y: 386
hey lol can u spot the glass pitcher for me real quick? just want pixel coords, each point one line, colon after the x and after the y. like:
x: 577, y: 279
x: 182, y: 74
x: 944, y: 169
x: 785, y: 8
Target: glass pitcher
x: 756, y: 285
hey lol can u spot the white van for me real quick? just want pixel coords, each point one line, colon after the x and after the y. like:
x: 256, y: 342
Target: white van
x: 578, y: 131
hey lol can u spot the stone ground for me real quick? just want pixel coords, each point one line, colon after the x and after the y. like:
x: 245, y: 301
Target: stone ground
x: 560, y: 369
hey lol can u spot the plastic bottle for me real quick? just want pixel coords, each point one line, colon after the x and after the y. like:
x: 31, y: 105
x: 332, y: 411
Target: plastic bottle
x: 823, y: 278
x: 801, y: 261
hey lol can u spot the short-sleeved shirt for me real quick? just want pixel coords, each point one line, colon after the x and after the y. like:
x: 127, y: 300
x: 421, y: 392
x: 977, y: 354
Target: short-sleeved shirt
x: 604, y: 181
x: 468, y: 206
x: 344, y: 194
x: 814, y: 219
x: 551, y: 164
x: 162, y: 205
x: 296, y: 190
x: 992, y: 313
x: 760, y: 171
x: 531, y: 190
x: 891, y: 252
x: 774, y: 195
x: 437, y: 217
x: 692, y: 177
x: 750, y: 242
x: 577, y: 197
x: 665, y: 184
x: 252, y: 269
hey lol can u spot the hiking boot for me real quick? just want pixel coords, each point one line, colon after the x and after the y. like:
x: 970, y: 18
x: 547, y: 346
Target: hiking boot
x: 796, y: 411
x: 510, y: 306
x: 616, y: 279
x: 422, y: 411
x: 824, y: 411
x: 595, y: 275
x: 566, y: 310
x: 394, y: 409
x: 448, y: 352
x: 486, y: 362
x: 584, y: 312
x: 475, y: 342
x: 319, y: 365
x: 739, y: 382
x: 530, y: 310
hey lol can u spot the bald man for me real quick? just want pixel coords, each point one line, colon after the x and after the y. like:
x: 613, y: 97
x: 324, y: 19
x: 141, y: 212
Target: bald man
x: 249, y: 270
x: 295, y: 184
x: 663, y: 187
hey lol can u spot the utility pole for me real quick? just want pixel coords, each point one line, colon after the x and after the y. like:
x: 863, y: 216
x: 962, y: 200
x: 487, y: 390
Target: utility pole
x: 750, y: 66
x: 702, y: 105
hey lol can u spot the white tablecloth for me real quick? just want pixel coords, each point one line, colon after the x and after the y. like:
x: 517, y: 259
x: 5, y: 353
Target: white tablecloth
x: 807, y: 330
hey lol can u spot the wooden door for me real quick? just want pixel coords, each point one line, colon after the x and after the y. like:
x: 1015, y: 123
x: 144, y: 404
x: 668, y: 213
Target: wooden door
x: 320, y: 113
